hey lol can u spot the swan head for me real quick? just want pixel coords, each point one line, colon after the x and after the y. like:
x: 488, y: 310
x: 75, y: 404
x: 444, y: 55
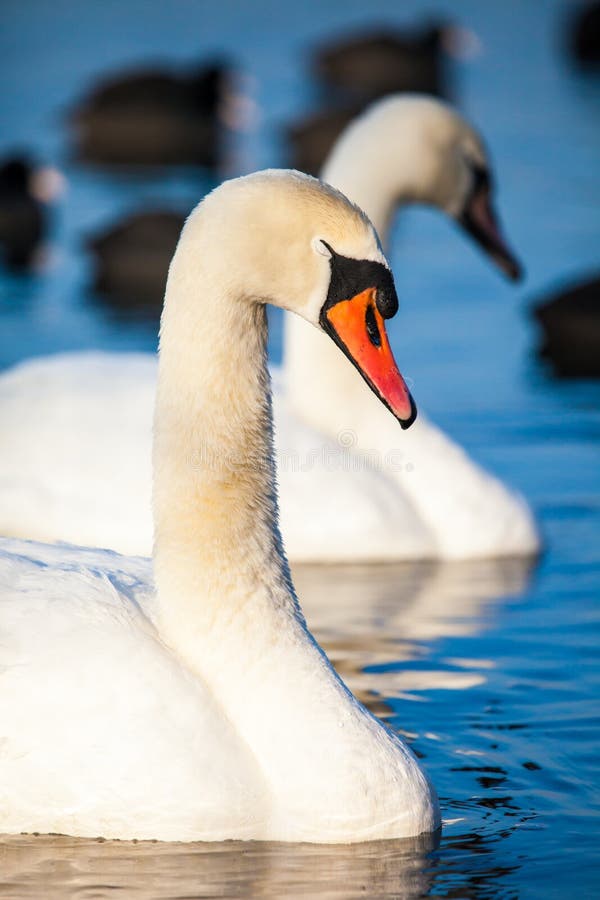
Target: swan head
x: 471, y: 203
x: 421, y: 150
x: 461, y: 181
x: 299, y: 244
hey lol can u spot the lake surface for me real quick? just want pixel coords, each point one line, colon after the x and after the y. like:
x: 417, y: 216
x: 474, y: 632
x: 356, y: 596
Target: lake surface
x: 491, y: 670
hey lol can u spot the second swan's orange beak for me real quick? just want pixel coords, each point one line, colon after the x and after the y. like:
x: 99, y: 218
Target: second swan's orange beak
x: 358, y: 328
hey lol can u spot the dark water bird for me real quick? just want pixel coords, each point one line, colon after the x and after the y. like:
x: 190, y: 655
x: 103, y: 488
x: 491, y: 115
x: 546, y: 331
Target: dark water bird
x: 570, y: 323
x: 131, y: 260
x: 23, y: 213
x: 383, y: 61
x: 584, y: 35
x: 153, y: 117
x: 311, y: 139
x: 357, y: 69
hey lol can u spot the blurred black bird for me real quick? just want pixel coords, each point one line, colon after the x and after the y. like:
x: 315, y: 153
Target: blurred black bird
x: 570, y: 322
x: 584, y: 35
x: 131, y: 261
x: 310, y: 139
x: 357, y: 69
x: 153, y: 117
x: 24, y: 193
x: 366, y: 66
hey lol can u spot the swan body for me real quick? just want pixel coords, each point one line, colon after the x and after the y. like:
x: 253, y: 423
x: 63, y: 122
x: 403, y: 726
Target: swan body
x: 106, y: 732
x: 84, y: 650
x: 192, y: 703
x: 75, y: 459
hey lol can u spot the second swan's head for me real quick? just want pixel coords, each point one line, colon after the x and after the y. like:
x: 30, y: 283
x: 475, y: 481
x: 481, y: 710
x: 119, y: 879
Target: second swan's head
x: 288, y: 239
x: 415, y: 148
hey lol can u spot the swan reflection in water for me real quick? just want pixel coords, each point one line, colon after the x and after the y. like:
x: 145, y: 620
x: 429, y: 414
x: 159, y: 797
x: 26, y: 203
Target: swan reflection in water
x: 370, y: 617
x: 223, y: 869
x: 367, y: 618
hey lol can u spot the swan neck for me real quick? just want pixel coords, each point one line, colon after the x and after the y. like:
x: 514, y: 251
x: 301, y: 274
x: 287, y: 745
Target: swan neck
x: 217, y: 543
x: 379, y: 173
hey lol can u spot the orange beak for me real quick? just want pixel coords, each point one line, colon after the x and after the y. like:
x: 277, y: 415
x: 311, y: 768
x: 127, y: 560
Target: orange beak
x: 358, y: 328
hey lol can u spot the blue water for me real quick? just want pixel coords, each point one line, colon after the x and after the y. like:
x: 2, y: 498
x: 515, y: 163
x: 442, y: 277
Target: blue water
x: 488, y: 670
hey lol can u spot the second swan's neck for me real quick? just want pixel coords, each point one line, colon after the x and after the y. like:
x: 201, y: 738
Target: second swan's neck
x: 383, y: 160
x: 379, y: 176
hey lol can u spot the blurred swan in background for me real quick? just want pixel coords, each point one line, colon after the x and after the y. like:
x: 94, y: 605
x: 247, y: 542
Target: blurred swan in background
x: 204, y: 709
x: 426, y: 496
x: 75, y: 460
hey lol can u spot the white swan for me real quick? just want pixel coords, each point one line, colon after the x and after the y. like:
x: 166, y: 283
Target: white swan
x: 207, y: 711
x: 427, y: 497
x: 75, y: 455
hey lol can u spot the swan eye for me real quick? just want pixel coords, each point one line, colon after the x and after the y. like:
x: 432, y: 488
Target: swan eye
x: 372, y: 327
x: 387, y: 302
x: 480, y: 180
